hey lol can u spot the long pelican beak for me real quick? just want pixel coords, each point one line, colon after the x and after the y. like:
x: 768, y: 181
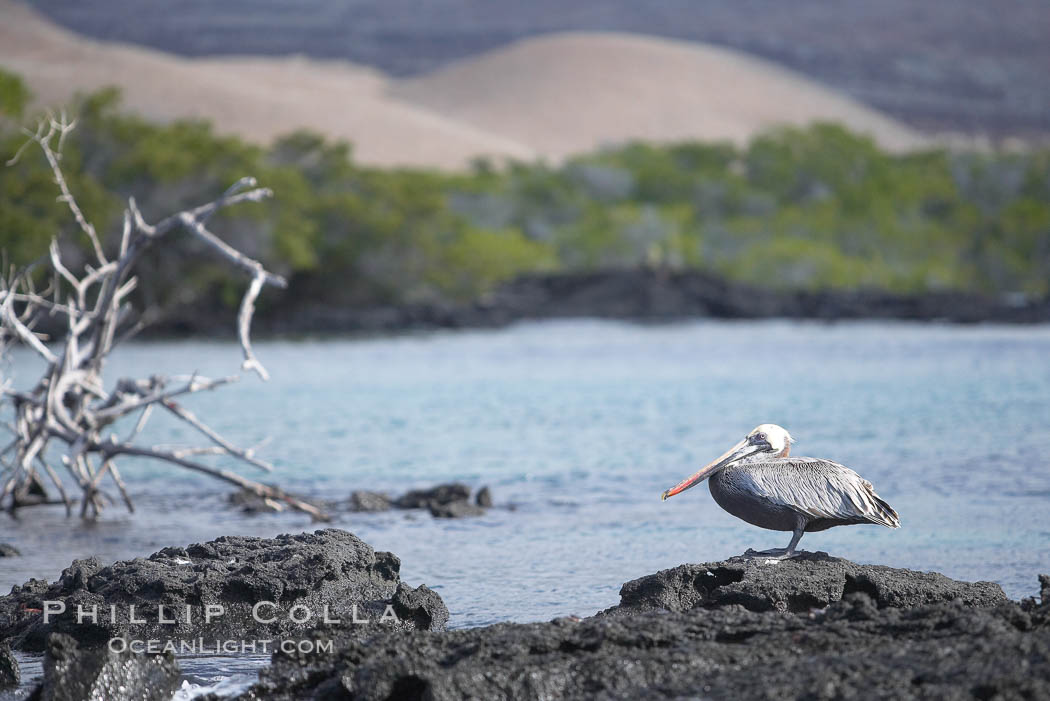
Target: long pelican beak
x: 737, y: 452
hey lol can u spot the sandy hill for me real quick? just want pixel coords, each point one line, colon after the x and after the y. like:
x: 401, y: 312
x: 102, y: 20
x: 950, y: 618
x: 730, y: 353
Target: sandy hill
x: 256, y: 98
x: 543, y: 97
x: 563, y: 93
x: 968, y: 66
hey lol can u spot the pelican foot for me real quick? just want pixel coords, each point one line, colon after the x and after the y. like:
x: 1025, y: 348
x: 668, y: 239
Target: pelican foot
x: 772, y: 554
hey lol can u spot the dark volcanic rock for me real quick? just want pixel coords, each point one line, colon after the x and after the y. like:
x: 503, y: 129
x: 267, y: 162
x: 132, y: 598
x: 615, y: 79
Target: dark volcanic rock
x: 8, y: 550
x: 75, y: 674
x: 813, y: 580
x: 369, y: 501
x: 455, y: 509
x: 328, y: 568
x: 441, y: 494
x: 446, y: 501
x: 851, y: 650
x: 421, y: 607
x: 251, y: 503
x: 9, y: 672
x: 878, y: 640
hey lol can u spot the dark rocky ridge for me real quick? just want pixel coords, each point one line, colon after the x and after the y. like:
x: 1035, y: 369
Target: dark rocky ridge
x: 327, y: 568
x: 642, y: 295
x: 872, y: 632
x: 638, y: 295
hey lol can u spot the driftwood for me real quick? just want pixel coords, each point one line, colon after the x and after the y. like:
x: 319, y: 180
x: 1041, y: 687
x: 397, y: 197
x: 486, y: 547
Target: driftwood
x: 64, y: 424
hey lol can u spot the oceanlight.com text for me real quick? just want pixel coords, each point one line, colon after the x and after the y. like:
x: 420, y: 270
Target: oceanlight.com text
x: 200, y: 646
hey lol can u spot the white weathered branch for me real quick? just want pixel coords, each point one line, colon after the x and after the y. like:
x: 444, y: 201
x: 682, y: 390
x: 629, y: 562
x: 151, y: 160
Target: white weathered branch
x: 227, y: 447
x: 260, y: 276
x: 262, y: 490
x: 16, y: 325
x: 244, y: 323
x: 61, y: 127
x: 114, y: 409
x: 69, y: 404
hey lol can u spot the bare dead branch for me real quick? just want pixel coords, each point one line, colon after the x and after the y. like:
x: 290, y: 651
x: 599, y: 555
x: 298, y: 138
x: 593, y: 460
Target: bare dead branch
x: 132, y: 400
x: 55, y: 480
x: 60, y: 128
x: 262, y: 490
x: 69, y: 404
x: 14, y: 324
x: 230, y: 449
x: 244, y: 323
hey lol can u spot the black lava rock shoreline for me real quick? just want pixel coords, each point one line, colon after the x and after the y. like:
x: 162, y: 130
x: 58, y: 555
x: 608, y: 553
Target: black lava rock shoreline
x: 303, y: 579
x: 635, y: 295
x: 815, y: 627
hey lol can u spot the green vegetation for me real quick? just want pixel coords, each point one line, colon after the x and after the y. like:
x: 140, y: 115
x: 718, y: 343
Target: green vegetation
x: 13, y: 95
x: 799, y: 208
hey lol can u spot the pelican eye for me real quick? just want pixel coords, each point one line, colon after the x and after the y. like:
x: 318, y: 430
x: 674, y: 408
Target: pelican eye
x: 758, y: 439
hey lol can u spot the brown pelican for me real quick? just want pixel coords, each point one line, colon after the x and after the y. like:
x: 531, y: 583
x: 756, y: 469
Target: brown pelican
x: 756, y: 481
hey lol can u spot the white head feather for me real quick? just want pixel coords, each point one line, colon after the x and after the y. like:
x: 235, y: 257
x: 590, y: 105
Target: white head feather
x: 777, y: 436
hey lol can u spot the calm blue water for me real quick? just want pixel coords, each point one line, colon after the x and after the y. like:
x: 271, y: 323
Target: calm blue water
x: 578, y: 426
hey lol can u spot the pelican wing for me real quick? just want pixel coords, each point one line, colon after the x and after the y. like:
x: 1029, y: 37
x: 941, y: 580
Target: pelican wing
x: 819, y: 489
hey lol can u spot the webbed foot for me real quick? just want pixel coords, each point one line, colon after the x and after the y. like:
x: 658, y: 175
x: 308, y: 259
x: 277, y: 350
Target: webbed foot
x: 772, y: 554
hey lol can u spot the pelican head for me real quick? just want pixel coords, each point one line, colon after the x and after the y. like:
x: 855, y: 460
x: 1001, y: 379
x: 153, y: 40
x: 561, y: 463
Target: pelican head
x: 763, y: 442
